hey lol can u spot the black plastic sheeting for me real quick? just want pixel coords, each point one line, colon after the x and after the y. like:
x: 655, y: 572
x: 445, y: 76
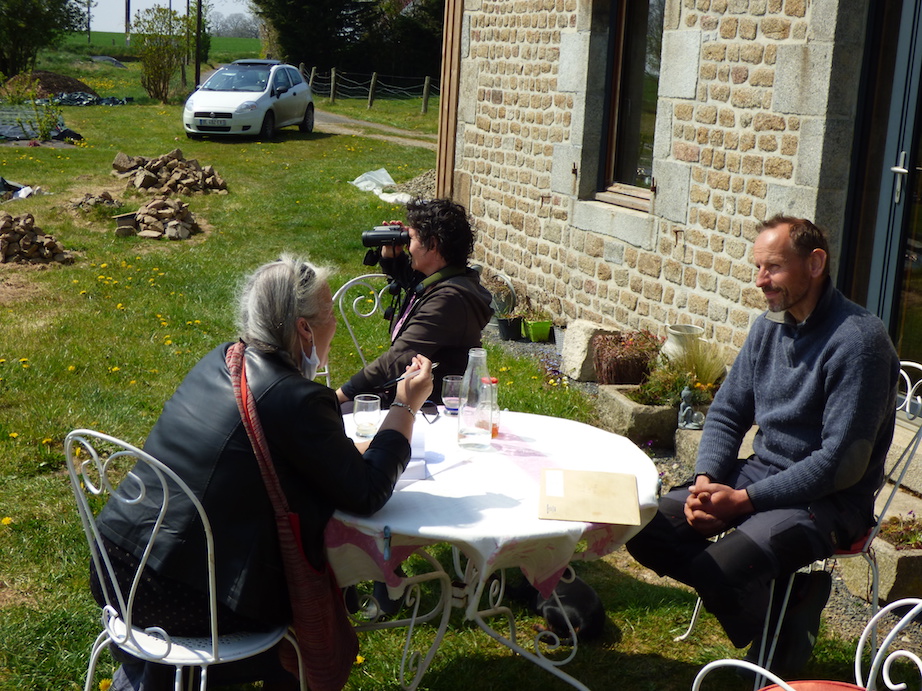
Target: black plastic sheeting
x: 16, y: 132
x: 7, y: 186
x: 81, y: 98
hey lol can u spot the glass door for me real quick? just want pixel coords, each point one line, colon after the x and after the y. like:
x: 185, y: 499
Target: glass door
x: 895, y: 272
x: 907, y: 326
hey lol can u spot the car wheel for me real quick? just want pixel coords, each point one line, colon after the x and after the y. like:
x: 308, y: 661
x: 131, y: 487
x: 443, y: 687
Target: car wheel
x: 268, y: 127
x: 307, y: 124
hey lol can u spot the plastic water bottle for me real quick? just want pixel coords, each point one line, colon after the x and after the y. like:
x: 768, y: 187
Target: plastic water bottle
x: 475, y: 409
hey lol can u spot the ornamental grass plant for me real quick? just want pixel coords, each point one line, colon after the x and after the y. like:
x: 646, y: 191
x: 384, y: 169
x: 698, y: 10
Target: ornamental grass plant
x: 699, y: 367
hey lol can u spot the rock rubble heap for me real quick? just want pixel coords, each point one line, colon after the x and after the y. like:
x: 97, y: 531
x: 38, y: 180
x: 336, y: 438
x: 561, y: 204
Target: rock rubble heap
x: 88, y: 201
x: 168, y: 174
x: 161, y: 217
x: 21, y: 241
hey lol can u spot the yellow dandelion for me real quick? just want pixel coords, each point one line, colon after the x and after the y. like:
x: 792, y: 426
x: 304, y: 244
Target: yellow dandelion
x: 6, y: 520
x: 168, y: 342
x: 104, y: 684
x: 120, y: 306
x: 359, y: 659
x: 13, y: 435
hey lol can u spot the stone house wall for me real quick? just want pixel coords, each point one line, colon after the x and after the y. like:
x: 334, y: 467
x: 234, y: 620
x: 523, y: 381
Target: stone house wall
x: 755, y: 116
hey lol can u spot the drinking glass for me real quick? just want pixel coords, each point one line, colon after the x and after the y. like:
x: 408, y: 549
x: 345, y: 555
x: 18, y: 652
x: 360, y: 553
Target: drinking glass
x: 366, y: 411
x: 451, y: 393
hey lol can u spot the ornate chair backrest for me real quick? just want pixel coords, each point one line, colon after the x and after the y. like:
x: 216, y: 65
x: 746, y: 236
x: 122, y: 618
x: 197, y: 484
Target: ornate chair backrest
x: 884, y: 658
x: 909, y: 397
x: 881, y: 661
x: 97, y: 465
x: 359, y: 298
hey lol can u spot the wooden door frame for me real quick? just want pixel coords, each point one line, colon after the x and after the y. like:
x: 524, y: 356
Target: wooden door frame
x: 448, y: 98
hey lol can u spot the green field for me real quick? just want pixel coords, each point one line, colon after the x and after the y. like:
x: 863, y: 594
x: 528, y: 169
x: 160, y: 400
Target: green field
x: 223, y: 49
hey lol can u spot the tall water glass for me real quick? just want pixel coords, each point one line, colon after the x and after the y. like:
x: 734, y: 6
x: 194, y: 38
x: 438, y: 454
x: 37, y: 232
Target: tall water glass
x: 366, y: 411
x: 451, y: 393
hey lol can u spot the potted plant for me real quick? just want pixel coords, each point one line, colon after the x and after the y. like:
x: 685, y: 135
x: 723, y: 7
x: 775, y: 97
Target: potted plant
x: 536, y: 322
x: 648, y: 412
x: 699, y: 367
x: 626, y: 357
x: 503, y: 304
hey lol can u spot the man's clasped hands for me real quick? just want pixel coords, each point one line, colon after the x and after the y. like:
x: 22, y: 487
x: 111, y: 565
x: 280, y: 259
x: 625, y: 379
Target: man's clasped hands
x: 712, y: 507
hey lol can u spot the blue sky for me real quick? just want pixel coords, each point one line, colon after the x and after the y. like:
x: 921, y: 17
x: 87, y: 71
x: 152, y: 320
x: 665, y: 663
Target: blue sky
x: 109, y: 15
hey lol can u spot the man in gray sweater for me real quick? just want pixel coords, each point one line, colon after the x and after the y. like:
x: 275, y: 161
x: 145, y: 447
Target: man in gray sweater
x: 817, y: 375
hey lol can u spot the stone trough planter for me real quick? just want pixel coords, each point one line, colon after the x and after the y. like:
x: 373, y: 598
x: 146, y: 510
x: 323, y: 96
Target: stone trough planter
x: 641, y: 424
x: 900, y: 573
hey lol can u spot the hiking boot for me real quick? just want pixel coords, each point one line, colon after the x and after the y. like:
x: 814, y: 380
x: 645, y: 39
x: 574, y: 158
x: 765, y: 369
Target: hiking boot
x: 799, y: 629
x: 801, y: 624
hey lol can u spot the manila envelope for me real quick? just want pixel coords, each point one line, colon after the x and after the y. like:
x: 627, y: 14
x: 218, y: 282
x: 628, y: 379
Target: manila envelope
x: 589, y: 496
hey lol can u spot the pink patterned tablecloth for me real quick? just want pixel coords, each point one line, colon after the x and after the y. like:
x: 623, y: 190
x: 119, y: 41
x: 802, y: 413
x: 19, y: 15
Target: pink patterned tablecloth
x: 485, y: 503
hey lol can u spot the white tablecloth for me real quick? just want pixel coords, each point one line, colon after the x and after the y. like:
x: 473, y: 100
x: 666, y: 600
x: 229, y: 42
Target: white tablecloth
x: 485, y: 503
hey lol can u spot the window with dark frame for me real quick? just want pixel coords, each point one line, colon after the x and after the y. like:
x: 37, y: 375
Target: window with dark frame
x: 636, y: 40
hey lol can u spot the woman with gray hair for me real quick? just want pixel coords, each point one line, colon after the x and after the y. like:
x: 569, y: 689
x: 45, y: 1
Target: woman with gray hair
x: 286, y: 324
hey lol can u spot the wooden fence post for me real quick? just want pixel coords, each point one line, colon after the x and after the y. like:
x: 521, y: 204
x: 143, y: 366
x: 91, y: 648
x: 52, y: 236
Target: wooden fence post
x: 332, y: 85
x: 426, y: 86
x: 313, y: 74
x: 371, y: 89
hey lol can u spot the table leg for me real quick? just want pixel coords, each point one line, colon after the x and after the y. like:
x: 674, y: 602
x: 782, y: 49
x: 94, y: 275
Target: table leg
x: 544, y: 641
x: 413, y: 663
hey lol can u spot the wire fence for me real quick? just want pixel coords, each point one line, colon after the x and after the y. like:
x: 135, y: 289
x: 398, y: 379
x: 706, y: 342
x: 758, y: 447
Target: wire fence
x: 336, y: 84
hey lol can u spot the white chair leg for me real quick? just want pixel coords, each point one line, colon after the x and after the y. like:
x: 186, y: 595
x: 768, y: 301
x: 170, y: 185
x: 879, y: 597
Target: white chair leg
x: 691, y: 624
x: 765, y: 660
x: 875, y: 595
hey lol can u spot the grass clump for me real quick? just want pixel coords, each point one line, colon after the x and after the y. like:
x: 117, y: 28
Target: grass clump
x: 700, y: 368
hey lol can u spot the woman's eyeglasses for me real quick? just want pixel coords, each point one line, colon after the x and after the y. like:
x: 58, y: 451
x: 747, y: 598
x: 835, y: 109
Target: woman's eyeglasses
x: 430, y: 411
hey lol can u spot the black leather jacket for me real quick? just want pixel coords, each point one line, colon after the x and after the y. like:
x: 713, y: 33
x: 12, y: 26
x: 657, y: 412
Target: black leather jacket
x: 200, y: 435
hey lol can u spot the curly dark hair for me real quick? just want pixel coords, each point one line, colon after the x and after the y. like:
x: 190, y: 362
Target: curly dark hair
x: 442, y: 224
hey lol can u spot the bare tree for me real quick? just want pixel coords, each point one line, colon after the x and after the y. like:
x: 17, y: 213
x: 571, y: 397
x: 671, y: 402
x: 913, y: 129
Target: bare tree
x: 236, y: 25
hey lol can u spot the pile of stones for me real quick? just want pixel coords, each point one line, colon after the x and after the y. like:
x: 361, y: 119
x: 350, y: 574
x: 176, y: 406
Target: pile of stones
x: 89, y: 201
x: 21, y: 241
x: 160, y: 217
x: 168, y: 174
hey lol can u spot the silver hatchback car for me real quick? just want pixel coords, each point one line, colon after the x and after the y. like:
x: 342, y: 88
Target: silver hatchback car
x: 250, y: 97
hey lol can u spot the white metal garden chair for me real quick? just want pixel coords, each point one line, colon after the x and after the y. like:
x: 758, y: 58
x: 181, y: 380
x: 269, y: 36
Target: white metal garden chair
x: 97, y: 463
x: 909, y: 403
x: 880, y: 668
x: 359, y: 298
